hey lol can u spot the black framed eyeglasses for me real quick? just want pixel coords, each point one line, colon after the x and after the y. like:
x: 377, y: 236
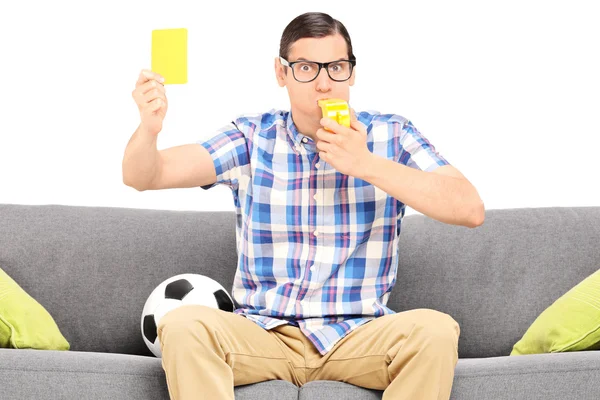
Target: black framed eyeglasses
x: 306, y: 71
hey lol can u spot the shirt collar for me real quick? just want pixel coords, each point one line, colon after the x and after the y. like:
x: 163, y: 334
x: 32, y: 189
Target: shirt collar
x: 293, y: 132
x: 291, y: 128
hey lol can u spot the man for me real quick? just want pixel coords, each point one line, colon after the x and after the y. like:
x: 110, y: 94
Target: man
x: 319, y: 217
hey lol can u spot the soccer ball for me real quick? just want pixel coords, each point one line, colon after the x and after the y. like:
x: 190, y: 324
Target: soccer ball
x: 177, y: 291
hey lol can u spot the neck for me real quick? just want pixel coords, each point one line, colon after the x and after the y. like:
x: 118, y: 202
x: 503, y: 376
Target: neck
x: 306, y: 124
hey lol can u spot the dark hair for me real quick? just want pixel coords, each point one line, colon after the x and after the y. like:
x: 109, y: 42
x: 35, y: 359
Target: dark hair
x: 312, y: 25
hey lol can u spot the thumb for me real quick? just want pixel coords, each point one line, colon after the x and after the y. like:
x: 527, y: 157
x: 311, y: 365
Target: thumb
x: 355, y: 123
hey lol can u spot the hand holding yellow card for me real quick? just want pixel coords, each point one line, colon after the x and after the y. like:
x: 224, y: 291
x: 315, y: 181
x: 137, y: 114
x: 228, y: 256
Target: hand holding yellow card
x: 169, y: 54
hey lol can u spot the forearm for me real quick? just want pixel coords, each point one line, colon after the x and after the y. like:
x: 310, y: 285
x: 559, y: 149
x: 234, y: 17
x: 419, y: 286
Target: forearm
x: 445, y: 198
x: 141, y: 160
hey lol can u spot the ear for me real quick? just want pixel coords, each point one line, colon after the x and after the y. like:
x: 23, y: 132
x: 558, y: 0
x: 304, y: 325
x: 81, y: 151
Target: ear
x: 279, y: 72
x: 352, y: 77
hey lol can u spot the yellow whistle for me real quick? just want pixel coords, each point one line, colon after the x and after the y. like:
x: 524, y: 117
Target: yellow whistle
x: 337, y: 110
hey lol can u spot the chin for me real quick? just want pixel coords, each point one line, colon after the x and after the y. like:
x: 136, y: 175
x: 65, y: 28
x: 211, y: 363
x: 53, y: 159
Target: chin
x: 312, y: 111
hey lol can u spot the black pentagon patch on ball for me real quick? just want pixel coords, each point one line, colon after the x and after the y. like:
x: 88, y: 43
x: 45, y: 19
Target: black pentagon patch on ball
x: 178, y: 289
x: 150, y: 328
x: 223, y: 301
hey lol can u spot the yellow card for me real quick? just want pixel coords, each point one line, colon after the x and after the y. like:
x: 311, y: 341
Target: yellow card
x: 169, y: 54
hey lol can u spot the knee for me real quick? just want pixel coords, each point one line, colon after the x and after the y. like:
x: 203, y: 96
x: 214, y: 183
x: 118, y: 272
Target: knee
x: 185, y: 320
x: 437, y: 326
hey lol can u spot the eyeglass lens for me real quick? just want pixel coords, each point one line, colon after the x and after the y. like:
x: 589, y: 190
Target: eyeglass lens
x: 339, y: 71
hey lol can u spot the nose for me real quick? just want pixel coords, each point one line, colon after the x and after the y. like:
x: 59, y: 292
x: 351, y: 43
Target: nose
x: 323, y: 81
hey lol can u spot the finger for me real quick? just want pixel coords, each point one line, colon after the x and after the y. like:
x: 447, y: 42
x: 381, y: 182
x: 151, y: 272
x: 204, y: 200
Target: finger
x: 154, y: 105
x: 325, y: 136
x: 324, y: 146
x: 356, y: 124
x: 151, y: 84
x: 340, y: 130
x: 330, y: 124
x: 153, y: 94
x: 141, y: 93
x: 146, y: 75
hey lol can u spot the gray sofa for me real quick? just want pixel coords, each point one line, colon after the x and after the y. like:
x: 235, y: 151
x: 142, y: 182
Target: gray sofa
x: 92, y: 268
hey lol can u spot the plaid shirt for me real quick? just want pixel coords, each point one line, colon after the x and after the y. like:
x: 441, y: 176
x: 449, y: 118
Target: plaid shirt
x: 316, y: 248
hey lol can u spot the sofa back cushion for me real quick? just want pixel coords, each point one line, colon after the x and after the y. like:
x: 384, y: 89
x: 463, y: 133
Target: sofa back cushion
x: 495, y: 280
x: 93, y: 268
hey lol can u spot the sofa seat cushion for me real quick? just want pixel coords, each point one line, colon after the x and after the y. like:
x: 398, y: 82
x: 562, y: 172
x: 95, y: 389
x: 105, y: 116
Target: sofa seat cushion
x: 532, y: 377
x: 52, y: 374
x: 39, y: 374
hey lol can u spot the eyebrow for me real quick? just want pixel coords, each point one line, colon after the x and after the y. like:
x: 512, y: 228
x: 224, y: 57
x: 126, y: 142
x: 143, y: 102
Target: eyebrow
x: 305, y: 59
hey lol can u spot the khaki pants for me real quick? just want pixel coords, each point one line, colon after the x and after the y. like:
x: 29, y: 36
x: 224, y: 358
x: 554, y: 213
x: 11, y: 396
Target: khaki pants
x: 207, y: 351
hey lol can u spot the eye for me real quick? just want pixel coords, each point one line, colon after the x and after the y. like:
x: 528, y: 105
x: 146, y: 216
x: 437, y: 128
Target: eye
x: 305, y: 67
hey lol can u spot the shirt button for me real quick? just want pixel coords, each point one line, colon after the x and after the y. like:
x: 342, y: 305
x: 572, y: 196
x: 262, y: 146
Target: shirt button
x: 315, y: 196
x: 304, y: 140
x: 317, y: 165
x: 316, y: 233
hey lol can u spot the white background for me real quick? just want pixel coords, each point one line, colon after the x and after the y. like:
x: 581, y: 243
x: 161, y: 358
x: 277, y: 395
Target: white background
x: 508, y: 92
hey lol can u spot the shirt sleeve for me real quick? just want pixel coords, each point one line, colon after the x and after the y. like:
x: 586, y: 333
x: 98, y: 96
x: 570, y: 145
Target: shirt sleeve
x: 230, y: 154
x: 416, y: 151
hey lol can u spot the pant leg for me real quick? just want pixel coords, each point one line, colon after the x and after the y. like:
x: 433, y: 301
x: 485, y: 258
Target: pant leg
x: 409, y: 355
x: 207, y: 351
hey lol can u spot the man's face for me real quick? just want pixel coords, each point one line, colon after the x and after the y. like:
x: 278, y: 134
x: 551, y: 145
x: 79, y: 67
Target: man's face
x: 304, y: 96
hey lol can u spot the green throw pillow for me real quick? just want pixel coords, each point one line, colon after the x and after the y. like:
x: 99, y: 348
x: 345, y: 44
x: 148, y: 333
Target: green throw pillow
x: 571, y: 323
x: 25, y: 323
